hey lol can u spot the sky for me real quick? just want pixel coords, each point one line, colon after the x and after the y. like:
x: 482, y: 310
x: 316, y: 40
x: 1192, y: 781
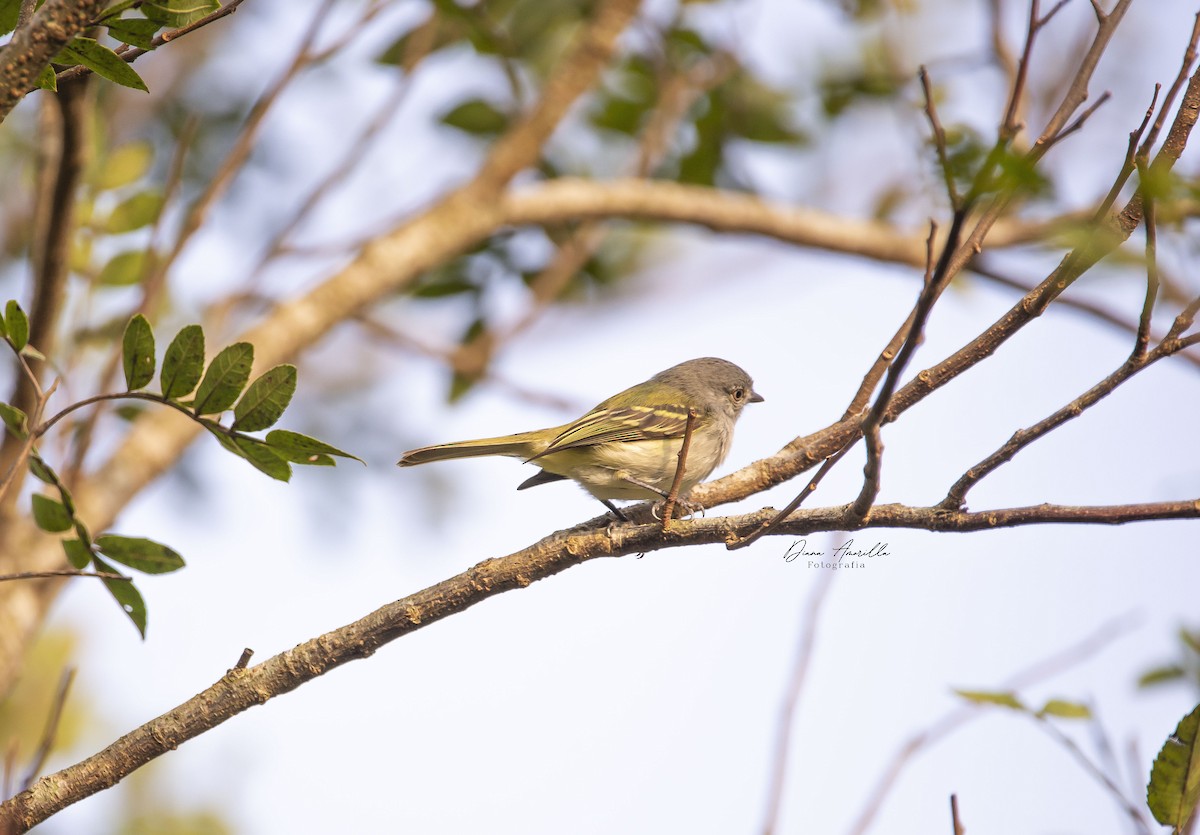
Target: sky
x: 644, y: 695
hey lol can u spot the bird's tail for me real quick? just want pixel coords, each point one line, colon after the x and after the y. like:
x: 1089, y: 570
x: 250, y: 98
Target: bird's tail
x: 522, y: 445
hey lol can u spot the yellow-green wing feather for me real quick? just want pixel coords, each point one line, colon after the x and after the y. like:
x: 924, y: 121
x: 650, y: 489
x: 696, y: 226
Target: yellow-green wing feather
x: 614, y: 425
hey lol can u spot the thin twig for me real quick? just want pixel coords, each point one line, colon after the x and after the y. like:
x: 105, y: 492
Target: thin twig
x: 65, y: 572
x: 1024, y: 437
x: 680, y: 467
x: 958, y: 827
x: 792, y: 506
x: 939, y: 139
x: 1079, y: 121
x: 1142, y: 341
x: 1129, y: 164
x: 53, y: 719
x: 1046, y: 668
x: 244, y: 660
x: 1185, y: 69
x: 129, y: 54
x: 1127, y: 806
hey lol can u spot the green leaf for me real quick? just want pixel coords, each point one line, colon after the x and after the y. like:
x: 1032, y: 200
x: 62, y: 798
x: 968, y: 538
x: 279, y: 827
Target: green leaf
x: 78, y: 554
x: 302, y: 449
x: 143, y: 554
x: 183, y: 363
x: 50, y: 515
x: 134, y: 212
x: 476, y: 117
x: 47, y: 79
x: 177, y: 13
x: 116, y: 9
x: 987, y: 697
x: 135, y: 31
x: 1161, y: 675
x: 440, y: 287
x: 1174, y: 788
x: 1191, y: 640
x: 102, y: 61
x: 127, y: 597
x: 126, y: 164
x: 266, y: 399
x: 123, y: 269
x: 41, y: 470
x: 9, y: 12
x: 138, y: 351
x: 226, y: 377
x: 16, y: 325
x: 16, y: 420
x: 263, y: 458
x: 1065, y: 710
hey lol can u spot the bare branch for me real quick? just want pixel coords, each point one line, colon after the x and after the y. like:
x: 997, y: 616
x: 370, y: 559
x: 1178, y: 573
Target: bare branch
x: 1130, y: 808
x: 241, y: 689
x: 1022, y: 438
x: 51, y: 730
x: 1142, y: 341
x: 1077, y: 92
x: 1185, y: 69
x: 958, y: 827
x: 939, y: 139
x: 792, y: 506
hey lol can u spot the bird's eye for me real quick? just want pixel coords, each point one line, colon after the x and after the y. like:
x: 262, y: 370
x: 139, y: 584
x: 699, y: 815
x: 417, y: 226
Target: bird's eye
x: 739, y: 394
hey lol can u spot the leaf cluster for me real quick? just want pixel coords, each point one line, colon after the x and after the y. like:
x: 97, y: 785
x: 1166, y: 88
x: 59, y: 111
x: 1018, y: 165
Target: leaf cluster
x: 203, y: 392
x: 129, y: 23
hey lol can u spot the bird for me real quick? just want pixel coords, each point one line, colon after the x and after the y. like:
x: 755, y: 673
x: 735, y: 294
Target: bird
x: 627, y: 447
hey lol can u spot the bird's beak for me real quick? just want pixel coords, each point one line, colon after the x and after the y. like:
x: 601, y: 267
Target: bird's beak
x: 755, y: 397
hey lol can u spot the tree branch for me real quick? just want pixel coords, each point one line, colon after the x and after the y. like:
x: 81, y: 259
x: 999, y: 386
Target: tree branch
x: 240, y: 689
x: 33, y: 45
x: 129, y: 54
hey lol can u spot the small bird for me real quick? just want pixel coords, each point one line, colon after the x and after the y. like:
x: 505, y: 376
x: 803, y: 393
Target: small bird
x: 628, y: 446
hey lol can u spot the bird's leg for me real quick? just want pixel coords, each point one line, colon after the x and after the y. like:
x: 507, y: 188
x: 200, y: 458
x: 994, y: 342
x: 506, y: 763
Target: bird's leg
x: 690, y: 508
x: 616, y: 510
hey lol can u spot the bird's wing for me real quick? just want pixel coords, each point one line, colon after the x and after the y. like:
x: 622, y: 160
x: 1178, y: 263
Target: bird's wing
x: 627, y: 423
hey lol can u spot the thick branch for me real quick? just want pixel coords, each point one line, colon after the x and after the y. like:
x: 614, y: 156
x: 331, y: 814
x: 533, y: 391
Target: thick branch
x: 241, y: 689
x: 32, y: 46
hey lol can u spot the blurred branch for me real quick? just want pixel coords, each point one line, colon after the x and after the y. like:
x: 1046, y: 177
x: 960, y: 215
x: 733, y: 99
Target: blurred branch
x: 791, y: 701
x: 1130, y: 808
x: 52, y: 247
x: 1041, y: 670
x: 35, y: 43
x: 51, y: 730
x: 679, y: 92
x: 568, y: 198
x: 241, y: 689
x: 1011, y: 123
